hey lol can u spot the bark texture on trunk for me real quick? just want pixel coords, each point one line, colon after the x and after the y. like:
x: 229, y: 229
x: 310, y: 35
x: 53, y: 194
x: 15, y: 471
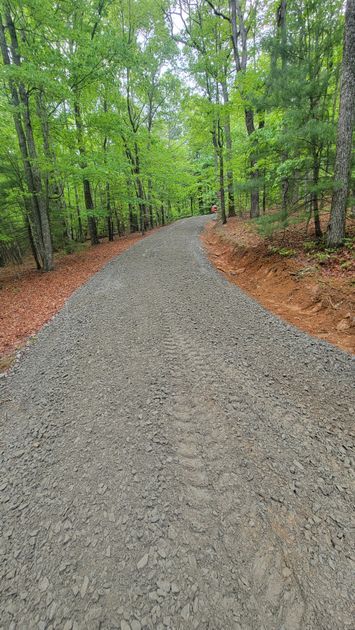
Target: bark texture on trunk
x: 89, y: 202
x: 140, y: 191
x: 240, y: 52
x: 336, y: 227
x: 218, y: 145
x: 221, y: 185
x: 254, y: 195
x: 229, y: 150
x: 81, y: 236
x: 109, y: 213
x: 133, y: 219
x: 315, y: 201
x: 39, y: 218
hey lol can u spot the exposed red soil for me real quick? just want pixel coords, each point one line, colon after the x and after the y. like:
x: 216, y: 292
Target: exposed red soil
x: 28, y: 298
x: 310, y: 289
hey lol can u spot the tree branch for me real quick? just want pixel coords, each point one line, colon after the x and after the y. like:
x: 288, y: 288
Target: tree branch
x: 217, y: 12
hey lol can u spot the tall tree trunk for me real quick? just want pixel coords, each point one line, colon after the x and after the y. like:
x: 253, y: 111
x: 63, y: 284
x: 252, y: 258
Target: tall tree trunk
x: 264, y: 192
x: 315, y: 201
x: 89, y: 202
x: 254, y: 173
x: 54, y: 188
x: 218, y: 145
x: 32, y: 244
x: 336, y: 227
x: 200, y: 199
x: 133, y: 219
x: 240, y: 34
x: 41, y: 232
x: 282, y: 40
x: 150, y: 203
x: 229, y: 148
x: 221, y: 186
x: 140, y: 191
x: 109, y: 218
x: 120, y: 228
x: 109, y: 212
x: 81, y: 237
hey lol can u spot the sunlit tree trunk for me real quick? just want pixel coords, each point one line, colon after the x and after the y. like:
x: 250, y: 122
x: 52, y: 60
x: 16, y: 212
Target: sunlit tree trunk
x: 89, y: 202
x: 336, y: 227
x: 40, y: 225
x: 229, y: 151
x: 240, y: 34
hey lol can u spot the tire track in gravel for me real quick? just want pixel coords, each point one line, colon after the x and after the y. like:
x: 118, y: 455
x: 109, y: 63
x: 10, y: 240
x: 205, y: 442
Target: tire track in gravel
x: 199, y: 419
x: 281, y: 561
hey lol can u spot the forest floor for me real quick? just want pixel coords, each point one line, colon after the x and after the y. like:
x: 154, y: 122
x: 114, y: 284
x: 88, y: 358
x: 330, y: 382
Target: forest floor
x: 28, y: 298
x: 175, y: 457
x: 312, y: 288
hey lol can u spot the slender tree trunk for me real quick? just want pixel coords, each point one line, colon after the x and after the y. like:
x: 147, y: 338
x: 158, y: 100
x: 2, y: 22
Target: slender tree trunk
x: 240, y: 38
x: 282, y: 37
x: 90, y: 207
x: 32, y: 154
x: 32, y: 244
x: 109, y: 213
x: 336, y: 227
x: 78, y: 214
x: 254, y: 174
x: 21, y: 113
x: 315, y: 201
x: 120, y: 231
x: 200, y: 200
x: 264, y: 192
x: 89, y: 203
x: 109, y: 219
x: 54, y: 188
x: 140, y: 191
x: 221, y: 186
x: 218, y: 145
x: 229, y: 149
x: 150, y: 203
x: 133, y: 219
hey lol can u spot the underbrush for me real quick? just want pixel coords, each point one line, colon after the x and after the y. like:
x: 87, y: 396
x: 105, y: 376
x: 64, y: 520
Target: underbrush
x: 73, y: 247
x: 294, y: 238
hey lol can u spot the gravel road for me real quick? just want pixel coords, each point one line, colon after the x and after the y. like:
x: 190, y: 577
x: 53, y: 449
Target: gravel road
x: 174, y: 456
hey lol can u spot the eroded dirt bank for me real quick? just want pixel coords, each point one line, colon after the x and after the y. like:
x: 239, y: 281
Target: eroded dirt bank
x: 312, y: 290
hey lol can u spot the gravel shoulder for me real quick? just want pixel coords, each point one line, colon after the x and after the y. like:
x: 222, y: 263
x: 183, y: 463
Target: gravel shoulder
x: 174, y: 456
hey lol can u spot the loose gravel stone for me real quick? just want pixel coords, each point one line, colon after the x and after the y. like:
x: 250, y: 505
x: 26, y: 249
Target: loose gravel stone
x: 43, y: 585
x: 84, y: 586
x: 143, y: 562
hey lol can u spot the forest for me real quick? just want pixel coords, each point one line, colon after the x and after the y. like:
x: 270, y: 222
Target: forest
x: 121, y: 115
x: 177, y: 314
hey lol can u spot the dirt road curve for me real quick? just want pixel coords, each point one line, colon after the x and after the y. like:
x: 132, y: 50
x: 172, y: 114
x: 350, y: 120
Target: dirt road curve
x: 173, y: 456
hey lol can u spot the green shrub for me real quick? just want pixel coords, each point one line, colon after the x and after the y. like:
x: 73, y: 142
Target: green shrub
x: 283, y: 251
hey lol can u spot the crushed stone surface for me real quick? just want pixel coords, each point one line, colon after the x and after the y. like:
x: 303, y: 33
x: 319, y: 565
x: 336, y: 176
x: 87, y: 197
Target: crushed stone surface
x: 174, y: 456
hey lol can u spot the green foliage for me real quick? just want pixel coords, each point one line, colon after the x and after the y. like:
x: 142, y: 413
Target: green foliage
x: 126, y: 96
x: 286, y: 252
